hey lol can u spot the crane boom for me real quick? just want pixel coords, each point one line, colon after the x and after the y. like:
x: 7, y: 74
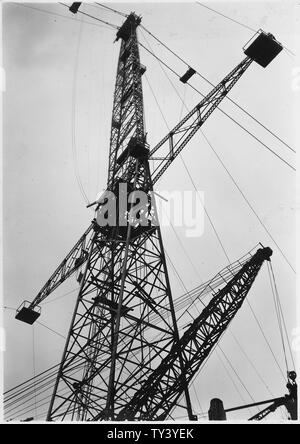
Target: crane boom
x: 123, y: 357
x: 290, y: 401
x: 162, y: 390
x: 74, y: 259
x: 183, y: 132
x: 264, y: 48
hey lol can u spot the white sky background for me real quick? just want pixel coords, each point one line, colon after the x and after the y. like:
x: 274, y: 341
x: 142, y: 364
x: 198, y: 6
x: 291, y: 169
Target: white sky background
x: 45, y: 214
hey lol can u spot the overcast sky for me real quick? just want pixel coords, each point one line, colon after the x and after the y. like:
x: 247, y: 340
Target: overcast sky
x: 58, y: 67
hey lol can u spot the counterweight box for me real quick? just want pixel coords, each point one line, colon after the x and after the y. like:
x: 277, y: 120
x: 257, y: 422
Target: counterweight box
x: 263, y: 49
x: 27, y: 314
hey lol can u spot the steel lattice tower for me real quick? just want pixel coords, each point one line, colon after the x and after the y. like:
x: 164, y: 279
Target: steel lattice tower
x: 113, y: 342
x: 123, y: 357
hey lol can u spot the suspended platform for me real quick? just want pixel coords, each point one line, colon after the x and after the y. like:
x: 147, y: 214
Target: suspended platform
x: 27, y: 314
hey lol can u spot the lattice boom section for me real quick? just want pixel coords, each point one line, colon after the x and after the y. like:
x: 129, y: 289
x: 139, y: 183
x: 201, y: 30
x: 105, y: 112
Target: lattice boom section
x: 166, y: 383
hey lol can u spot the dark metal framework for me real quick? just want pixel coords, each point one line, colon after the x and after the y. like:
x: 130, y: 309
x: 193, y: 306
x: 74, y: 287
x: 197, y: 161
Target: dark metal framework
x: 162, y: 390
x: 289, y: 401
x: 123, y: 357
x: 173, y: 143
x: 128, y: 110
x: 124, y: 123
x: 128, y: 117
x: 114, y: 343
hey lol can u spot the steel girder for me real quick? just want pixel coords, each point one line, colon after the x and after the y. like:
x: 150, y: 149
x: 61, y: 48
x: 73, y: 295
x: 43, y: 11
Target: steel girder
x: 124, y: 321
x: 162, y: 390
x: 123, y: 329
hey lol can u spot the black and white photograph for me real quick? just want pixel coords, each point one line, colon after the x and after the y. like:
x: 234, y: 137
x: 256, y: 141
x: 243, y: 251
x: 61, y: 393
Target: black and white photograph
x: 149, y: 214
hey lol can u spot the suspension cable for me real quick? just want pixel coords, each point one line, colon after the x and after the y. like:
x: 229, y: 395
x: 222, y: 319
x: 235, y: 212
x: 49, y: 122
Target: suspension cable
x: 111, y: 9
x: 74, y: 151
x: 231, y: 379
x: 183, y: 248
x: 226, y: 169
x: 278, y: 320
x: 239, y: 23
x: 237, y: 375
x: 34, y: 363
x: 51, y: 329
x: 35, y: 386
x: 28, y: 410
x: 280, y: 312
x: 206, y: 212
x: 265, y: 338
x: 243, y: 351
x: 156, y: 101
x: 28, y: 380
x: 248, y: 202
x: 251, y: 363
x: 177, y: 75
x: 60, y: 297
x: 240, y: 125
x: 92, y: 16
x: 229, y: 18
x: 211, y: 84
x: 214, y: 227
x: 56, y: 14
x: 186, y: 168
x: 217, y: 345
x: 221, y: 110
x: 197, y: 397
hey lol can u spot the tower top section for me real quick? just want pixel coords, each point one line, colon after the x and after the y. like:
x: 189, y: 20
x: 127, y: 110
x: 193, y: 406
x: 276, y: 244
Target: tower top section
x: 130, y: 25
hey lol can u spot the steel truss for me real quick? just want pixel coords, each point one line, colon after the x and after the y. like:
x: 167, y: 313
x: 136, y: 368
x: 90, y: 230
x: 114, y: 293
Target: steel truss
x: 123, y: 357
x: 163, y: 388
x: 114, y: 340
